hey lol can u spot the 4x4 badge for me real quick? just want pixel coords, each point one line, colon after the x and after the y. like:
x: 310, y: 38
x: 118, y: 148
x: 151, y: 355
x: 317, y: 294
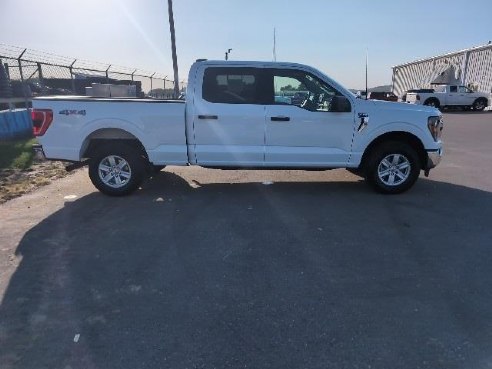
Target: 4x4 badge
x: 71, y: 112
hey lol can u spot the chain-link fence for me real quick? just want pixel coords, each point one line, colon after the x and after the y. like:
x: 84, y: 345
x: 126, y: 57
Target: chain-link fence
x: 27, y: 73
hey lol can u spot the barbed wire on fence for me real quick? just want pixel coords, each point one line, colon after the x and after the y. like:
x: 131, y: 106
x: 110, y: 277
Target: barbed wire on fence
x: 32, y: 72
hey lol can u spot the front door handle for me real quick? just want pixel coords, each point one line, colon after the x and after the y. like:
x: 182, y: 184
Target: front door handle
x: 208, y: 117
x: 280, y: 119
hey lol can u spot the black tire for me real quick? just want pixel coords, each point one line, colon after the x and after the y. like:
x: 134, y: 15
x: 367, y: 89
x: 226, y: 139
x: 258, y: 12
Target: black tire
x: 132, y: 163
x: 403, y: 178
x: 480, y: 104
x: 433, y: 102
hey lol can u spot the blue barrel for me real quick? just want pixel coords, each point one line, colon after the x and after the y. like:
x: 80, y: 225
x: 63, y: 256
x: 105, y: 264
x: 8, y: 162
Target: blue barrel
x: 15, y: 124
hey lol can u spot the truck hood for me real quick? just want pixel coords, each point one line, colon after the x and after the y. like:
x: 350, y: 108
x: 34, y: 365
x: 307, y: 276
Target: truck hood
x: 397, y: 106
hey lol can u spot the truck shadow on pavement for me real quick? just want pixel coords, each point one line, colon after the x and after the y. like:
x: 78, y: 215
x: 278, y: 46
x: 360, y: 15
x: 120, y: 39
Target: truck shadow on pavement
x: 312, y: 275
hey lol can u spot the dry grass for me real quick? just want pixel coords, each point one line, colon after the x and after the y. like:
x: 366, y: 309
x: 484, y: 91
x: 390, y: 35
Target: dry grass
x: 20, y: 170
x: 15, y: 182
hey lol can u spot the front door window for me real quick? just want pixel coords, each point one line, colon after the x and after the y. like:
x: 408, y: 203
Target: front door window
x: 303, y: 90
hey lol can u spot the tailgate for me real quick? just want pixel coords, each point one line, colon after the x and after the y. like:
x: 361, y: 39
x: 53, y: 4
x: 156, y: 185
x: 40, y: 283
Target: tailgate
x: 413, y: 98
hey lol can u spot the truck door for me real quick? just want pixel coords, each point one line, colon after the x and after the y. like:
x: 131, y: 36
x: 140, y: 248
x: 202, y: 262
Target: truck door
x: 452, y: 97
x: 466, y: 96
x: 301, y: 130
x: 228, y: 117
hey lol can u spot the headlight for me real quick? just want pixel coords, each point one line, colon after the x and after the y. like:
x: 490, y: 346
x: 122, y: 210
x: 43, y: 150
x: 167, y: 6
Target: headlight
x: 435, y: 125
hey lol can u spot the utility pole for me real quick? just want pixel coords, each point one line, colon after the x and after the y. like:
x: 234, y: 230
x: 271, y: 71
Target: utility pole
x: 367, y: 63
x: 173, y: 47
x: 227, y: 54
x: 274, y: 45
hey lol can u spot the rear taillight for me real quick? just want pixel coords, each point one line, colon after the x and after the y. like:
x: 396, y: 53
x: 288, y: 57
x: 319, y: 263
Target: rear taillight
x: 417, y: 97
x: 41, y: 120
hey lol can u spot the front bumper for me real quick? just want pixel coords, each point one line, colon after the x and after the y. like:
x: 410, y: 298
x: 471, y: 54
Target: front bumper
x: 434, y: 158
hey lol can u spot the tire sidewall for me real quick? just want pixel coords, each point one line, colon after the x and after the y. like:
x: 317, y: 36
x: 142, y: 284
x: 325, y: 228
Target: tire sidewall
x: 477, y: 101
x: 132, y: 157
x: 380, y: 153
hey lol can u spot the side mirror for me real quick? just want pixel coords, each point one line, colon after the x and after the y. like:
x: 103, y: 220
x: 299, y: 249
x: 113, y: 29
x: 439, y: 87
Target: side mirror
x: 340, y: 104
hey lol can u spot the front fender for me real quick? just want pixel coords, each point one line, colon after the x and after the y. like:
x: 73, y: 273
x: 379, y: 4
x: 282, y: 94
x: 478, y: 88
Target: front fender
x: 363, y: 139
x: 421, y: 132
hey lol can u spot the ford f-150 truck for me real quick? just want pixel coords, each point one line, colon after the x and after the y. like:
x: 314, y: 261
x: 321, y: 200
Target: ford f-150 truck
x: 444, y: 96
x: 231, y: 119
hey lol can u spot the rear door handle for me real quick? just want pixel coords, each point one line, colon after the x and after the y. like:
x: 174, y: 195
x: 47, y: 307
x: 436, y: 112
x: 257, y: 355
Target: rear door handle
x: 208, y: 117
x: 280, y: 119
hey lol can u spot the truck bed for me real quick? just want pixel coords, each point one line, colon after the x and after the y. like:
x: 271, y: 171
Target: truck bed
x: 158, y: 124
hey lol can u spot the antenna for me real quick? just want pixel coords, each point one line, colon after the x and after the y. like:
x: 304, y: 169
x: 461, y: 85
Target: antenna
x: 274, y: 45
x: 367, y: 62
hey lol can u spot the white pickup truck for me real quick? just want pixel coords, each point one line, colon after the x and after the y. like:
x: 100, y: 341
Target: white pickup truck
x: 445, y: 96
x: 232, y: 118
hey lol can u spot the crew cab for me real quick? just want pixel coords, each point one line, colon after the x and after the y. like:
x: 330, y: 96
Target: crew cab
x: 231, y: 119
x: 443, y: 96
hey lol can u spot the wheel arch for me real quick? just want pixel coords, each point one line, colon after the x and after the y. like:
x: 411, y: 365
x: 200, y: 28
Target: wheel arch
x: 398, y: 136
x: 482, y: 98
x: 106, y: 135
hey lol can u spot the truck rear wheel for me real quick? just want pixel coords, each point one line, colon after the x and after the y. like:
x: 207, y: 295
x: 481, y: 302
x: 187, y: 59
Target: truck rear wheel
x: 479, y: 104
x: 393, y: 167
x: 432, y: 102
x: 117, y: 169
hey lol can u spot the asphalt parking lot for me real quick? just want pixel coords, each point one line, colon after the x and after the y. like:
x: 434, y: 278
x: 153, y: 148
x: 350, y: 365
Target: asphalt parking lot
x: 255, y: 269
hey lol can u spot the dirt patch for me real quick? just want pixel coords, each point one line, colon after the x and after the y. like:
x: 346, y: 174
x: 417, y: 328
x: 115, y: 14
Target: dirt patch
x: 16, y: 182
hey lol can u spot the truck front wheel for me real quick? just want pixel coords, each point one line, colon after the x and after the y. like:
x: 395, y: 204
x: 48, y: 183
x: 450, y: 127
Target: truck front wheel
x: 393, y: 167
x: 117, y: 169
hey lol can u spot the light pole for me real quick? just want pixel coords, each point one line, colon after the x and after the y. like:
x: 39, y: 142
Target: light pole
x: 227, y: 54
x: 173, y: 47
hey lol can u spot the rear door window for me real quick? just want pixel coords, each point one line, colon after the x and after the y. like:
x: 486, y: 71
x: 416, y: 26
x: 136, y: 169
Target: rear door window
x: 231, y: 85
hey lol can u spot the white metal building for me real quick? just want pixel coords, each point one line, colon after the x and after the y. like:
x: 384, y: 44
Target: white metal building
x: 473, y: 67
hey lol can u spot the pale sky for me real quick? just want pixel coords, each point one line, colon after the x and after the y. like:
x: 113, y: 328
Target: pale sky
x: 330, y: 35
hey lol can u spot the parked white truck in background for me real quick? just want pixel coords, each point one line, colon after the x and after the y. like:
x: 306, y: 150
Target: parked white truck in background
x: 231, y: 119
x: 445, y: 96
